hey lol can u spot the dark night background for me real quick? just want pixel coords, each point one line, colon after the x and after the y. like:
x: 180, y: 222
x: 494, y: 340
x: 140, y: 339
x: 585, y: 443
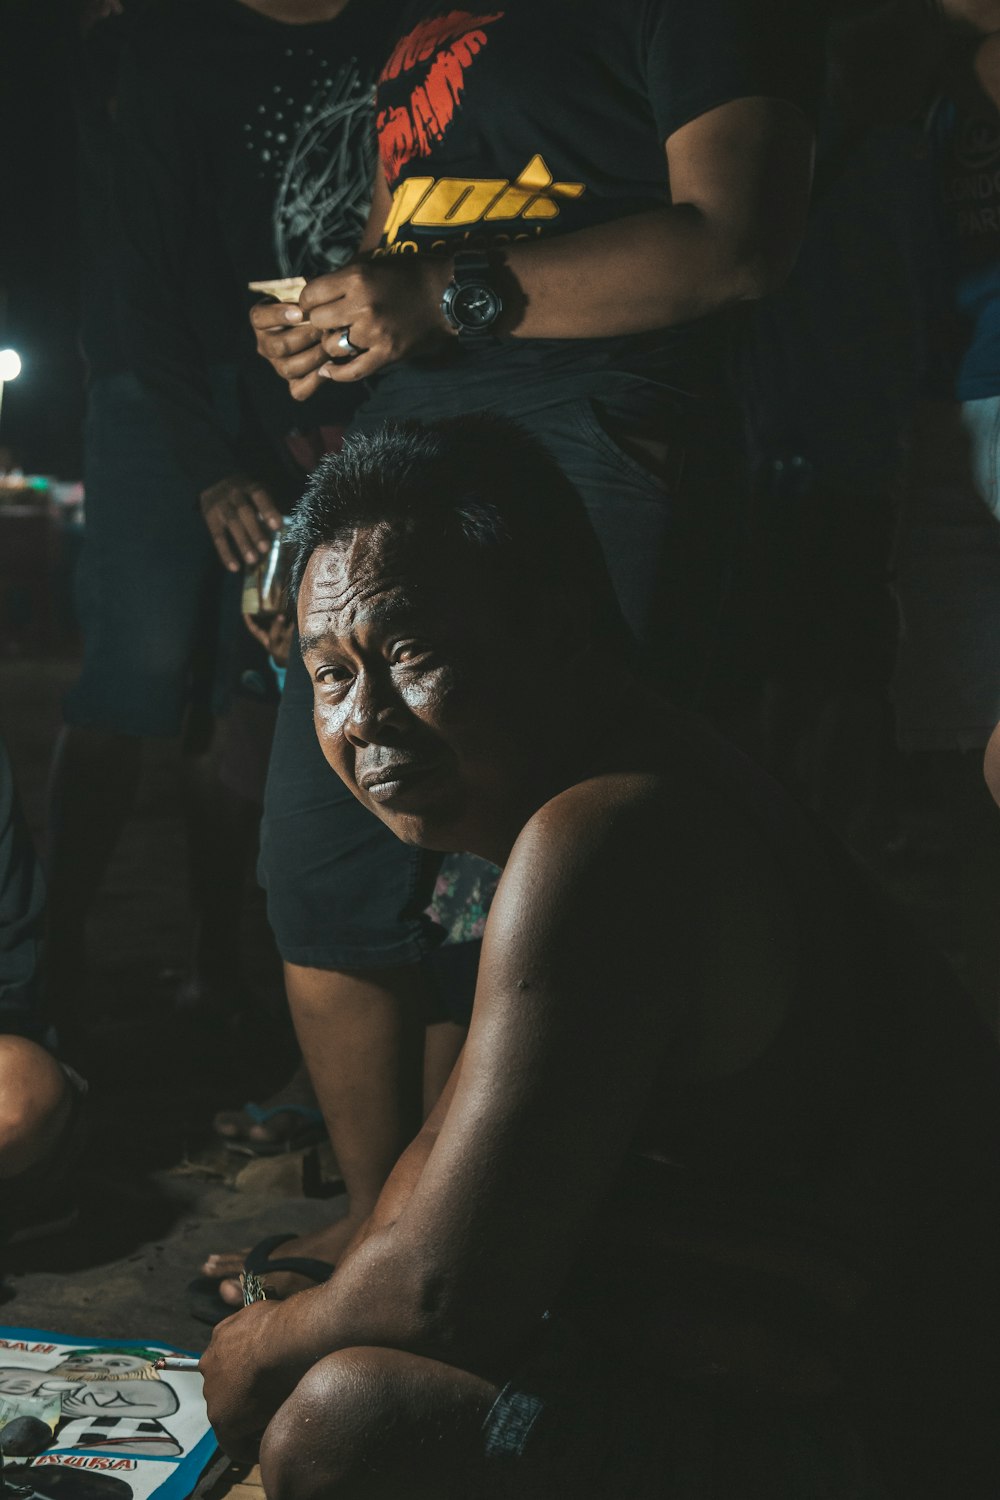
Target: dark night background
x: 42, y: 410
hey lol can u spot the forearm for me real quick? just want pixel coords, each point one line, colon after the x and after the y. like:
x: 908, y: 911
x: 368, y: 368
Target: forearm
x: 651, y: 270
x: 380, y: 1295
x: 398, y: 1285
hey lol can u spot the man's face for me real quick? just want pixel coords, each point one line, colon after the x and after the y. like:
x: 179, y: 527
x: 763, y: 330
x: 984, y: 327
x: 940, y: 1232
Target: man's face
x: 414, y: 681
x: 111, y: 1363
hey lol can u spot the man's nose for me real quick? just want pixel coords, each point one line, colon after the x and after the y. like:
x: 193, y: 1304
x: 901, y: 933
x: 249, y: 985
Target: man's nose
x: 375, y: 712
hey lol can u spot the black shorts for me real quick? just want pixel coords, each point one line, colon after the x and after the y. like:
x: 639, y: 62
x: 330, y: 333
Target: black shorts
x: 581, y: 1419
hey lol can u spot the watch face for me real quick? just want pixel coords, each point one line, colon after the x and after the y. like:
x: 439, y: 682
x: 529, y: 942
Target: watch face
x: 475, y: 305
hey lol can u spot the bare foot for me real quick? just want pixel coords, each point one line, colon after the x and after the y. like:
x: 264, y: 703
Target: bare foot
x: 323, y: 1244
x: 238, y: 1125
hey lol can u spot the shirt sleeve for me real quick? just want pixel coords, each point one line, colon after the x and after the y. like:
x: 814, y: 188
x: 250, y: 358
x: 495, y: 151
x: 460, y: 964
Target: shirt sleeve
x: 166, y: 262
x: 700, y: 54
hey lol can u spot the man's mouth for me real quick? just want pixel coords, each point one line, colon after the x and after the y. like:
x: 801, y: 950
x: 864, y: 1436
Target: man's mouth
x: 384, y: 783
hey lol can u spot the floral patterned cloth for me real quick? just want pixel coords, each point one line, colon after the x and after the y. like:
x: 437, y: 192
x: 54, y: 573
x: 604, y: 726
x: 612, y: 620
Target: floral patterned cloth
x: 462, y: 897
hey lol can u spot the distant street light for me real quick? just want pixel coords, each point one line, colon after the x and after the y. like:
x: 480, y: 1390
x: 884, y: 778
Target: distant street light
x: 10, y: 369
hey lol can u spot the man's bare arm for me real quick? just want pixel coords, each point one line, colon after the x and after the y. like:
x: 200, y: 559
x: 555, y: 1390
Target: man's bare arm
x: 484, y: 1216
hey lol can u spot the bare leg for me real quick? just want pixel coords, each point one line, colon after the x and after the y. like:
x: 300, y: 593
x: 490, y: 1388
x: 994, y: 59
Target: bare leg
x: 237, y: 1125
x: 35, y: 1101
x: 376, y: 1424
x: 92, y: 790
x: 443, y: 1042
x: 361, y: 1036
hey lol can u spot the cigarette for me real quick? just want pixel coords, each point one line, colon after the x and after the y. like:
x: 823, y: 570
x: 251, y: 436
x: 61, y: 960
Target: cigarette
x: 175, y: 1364
x: 284, y: 288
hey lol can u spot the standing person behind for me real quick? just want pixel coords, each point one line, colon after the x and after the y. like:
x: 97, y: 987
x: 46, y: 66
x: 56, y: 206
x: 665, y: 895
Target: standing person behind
x: 946, y: 684
x: 618, y: 177
x: 224, y: 174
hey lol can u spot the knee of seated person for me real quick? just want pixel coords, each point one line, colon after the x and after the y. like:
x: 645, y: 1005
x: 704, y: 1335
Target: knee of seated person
x: 991, y: 764
x: 327, y: 1438
x: 34, y: 1101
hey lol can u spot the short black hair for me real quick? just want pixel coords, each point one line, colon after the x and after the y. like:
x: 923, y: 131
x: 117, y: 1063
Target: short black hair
x: 478, y: 485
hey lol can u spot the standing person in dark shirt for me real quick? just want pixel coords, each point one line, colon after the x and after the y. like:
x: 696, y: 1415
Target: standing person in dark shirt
x: 219, y: 181
x: 621, y: 177
x: 244, y: 154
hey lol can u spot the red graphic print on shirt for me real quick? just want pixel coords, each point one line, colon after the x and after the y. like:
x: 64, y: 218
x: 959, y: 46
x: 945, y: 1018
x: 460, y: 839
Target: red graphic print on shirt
x: 443, y: 48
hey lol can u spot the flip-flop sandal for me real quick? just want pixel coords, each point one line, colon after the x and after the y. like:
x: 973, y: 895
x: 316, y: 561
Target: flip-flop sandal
x: 204, y: 1302
x: 309, y: 1132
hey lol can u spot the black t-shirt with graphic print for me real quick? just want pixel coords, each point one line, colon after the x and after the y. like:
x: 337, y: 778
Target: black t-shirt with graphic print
x: 519, y: 119
x: 245, y: 151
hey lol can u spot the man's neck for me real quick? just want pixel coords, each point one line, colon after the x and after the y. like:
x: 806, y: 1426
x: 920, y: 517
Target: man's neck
x: 297, y: 12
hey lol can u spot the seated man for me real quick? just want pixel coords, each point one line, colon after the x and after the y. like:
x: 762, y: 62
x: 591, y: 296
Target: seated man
x: 710, y: 1203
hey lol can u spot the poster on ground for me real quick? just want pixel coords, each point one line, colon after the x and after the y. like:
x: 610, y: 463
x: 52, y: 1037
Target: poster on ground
x: 122, y: 1430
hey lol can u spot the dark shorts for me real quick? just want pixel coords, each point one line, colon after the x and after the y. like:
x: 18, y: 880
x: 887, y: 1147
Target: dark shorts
x: 160, y: 615
x: 342, y: 891
x: 579, y: 1419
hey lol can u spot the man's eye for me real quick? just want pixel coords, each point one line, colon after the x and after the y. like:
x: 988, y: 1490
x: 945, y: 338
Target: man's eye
x: 408, y: 653
x: 334, y: 676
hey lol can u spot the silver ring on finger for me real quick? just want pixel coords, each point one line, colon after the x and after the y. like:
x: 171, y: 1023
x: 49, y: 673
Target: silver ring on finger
x: 344, y: 342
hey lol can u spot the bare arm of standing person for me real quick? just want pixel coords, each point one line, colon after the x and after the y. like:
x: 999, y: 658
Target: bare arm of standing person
x: 484, y: 1214
x: 739, y: 180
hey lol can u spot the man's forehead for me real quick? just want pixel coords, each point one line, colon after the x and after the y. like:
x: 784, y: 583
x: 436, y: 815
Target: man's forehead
x: 382, y: 570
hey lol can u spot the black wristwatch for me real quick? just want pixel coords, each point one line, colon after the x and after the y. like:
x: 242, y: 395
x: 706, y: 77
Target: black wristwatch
x: 471, y: 303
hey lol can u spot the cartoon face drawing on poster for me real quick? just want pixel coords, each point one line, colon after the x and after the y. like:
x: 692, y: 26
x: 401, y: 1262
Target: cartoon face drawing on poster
x: 112, y: 1400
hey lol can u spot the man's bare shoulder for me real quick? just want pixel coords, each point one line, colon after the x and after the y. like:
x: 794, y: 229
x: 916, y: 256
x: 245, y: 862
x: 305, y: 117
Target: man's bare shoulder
x: 598, y: 816
x: 589, y: 930
x: 596, y: 861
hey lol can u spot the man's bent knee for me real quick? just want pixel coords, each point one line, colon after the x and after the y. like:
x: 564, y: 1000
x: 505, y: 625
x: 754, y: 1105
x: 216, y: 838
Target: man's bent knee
x: 363, y: 1420
x: 35, y: 1101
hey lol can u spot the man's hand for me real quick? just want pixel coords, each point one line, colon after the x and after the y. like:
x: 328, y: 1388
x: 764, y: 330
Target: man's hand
x: 388, y: 309
x: 245, y: 1382
x: 239, y: 513
x: 276, y: 637
x: 93, y: 11
x: 979, y: 15
x: 291, y: 345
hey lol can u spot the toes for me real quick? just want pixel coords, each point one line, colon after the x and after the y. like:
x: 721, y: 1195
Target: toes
x: 232, y: 1124
x: 224, y: 1265
x: 231, y: 1293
